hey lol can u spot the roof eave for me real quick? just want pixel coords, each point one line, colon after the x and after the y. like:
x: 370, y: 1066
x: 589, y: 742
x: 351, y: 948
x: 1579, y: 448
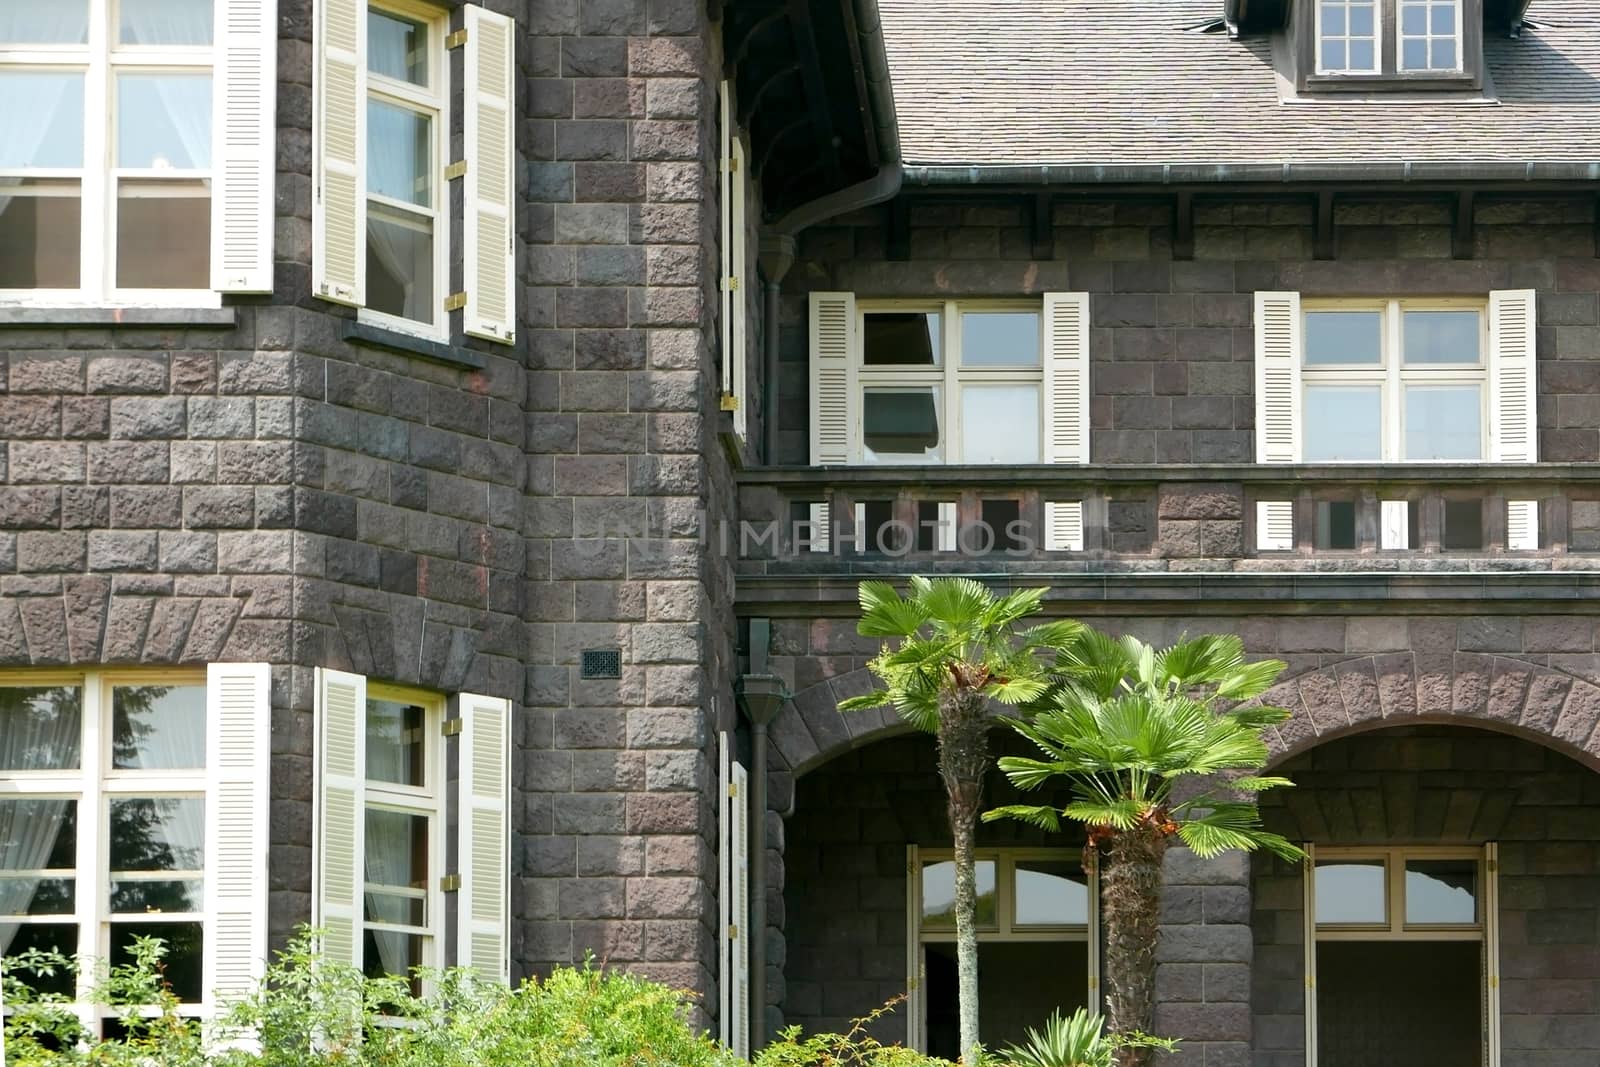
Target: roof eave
x: 1386, y: 173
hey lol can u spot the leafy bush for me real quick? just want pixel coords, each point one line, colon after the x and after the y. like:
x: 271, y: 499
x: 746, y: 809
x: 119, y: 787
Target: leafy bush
x: 856, y: 1048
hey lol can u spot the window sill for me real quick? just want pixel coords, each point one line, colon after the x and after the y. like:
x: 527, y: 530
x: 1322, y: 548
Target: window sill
x: 132, y: 318
x: 366, y: 335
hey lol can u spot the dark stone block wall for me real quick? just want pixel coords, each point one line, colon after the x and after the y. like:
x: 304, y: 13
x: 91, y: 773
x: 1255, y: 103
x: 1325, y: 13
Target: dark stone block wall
x: 1437, y: 785
x: 1172, y: 342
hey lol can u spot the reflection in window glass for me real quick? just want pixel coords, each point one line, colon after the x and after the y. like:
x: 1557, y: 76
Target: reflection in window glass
x: 999, y: 339
x: 1348, y: 36
x: 400, y: 263
x: 399, y: 147
x: 1351, y: 892
x: 37, y: 834
x: 900, y: 339
x: 1441, y: 891
x: 40, y: 228
x: 56, y: 22
x: 61, y: 938
x: 1051, y: 893
x: 158, y: 727
x: 166, y: 22
x: 396, y: 872
x: 181, y: 967
x: 163, y: 235
x: 397, y: 47
x: 1444, y: 422
x: 40, y: 728
x: 900, y: 425
x: 1000, y: 424
x: 1350, y: 337
x: 157, y: 834
x: 395, y: 742
x: 1442, y: 337
x: 1343, y: 422
x: 41, y: 124
x: 1336, y: 524
x: 164, y: 121
x: 939, y: 894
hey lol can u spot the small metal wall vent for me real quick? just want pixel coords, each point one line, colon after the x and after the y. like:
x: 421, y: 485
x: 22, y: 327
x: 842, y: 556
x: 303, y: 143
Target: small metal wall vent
x: 601, y: 663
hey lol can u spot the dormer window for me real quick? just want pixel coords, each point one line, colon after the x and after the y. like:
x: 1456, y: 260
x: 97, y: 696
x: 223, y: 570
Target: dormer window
x: 1361, y: 45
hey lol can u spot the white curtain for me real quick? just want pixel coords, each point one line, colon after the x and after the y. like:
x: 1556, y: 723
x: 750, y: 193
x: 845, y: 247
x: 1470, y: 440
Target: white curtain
x: 388, y: 859
x: 39, y: 733
x: 183, y: 102
x: 166, y: 22
x: 404, y: 246
x: 52, y: 22
x: 35, y: 104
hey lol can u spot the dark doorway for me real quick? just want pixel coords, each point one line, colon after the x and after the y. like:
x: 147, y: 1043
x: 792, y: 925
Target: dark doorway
x: 1019, y: 985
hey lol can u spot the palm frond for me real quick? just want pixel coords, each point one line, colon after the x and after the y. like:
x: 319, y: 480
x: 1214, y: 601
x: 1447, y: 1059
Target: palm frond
x: 1250, y: 680
x: 867, y: 701
x: 1121, y: 813
x: 1042, y: 815
x: 885, y: 614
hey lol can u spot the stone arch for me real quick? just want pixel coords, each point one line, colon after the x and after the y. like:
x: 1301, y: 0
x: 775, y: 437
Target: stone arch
x: 1361, y: 693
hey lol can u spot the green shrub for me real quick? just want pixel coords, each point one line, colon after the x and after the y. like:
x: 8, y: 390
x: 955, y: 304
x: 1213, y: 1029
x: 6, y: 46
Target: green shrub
x: 855, y: 1048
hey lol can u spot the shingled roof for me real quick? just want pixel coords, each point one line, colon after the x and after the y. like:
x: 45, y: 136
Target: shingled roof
x: 1133, y: 85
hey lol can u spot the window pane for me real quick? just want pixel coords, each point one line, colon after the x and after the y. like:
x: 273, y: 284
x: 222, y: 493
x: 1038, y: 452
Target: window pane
x: 163, y: 235
x: 1334, y: 337
x: 900, y: 425
x: 1444, y: 19
x: 37, y: 834
x: 1333, y: 20
x: 939, y: 894
x: 1414, y: 54
x: 385, y: 952
x: 397, y: 48
x: 61, y: 938
x: 1443, y: 337
x: 1336, y: 524
x: 1351, y: 892
x: 999, y: 339
x: 1463, y: 526
x: 39, y: 234
x: 146, y: 897
x: 1363, y: 56
x: 40, y: 728
x: 164, y: 121
x: 157, y: 834
x: 41, y: 124
x: 1444, y: 422
x: 1361, y: 20
x: 158, y: 727
x: 63, y: 22
x: 1333, y: 55
x: 1444, y: 54
x: 169, y: 22
x: 900, y: 339
x: 1000, y: 424
x: 397, y: 849
x: 400, y: 264
x: 1414, y: 19
x: 399, y: 147
x: 1051, y: 893
x: 1442, y: 891
x: 395, y: 742
x: 396, y: 909
x: 1343, y: 422
x: 181, y: 966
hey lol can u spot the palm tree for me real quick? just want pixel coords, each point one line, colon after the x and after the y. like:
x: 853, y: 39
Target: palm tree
x: 1135, y: 733
x: 959, y: 647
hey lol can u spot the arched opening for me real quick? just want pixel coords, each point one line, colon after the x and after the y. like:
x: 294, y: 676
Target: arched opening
x: 867, y: 894
x: 1450, y: 915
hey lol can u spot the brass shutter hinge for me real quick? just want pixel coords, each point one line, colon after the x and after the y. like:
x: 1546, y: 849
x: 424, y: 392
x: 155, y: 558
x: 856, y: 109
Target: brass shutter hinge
x: 731, y: 283
x: 455, y: 301
x: 458, y: 169
x: 450, y: 883
x: 456, y: 39
x: 451, y: 727
x: 729, y: 402
x: 733, y: 790
x: 733, y: 933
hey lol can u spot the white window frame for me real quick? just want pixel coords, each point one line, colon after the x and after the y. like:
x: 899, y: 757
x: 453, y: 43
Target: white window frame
x: 1004, y: 930
x: 1401, y: 37
x: 433, y: 101
x: 948, y: 378
x: 99, y: 60
x: 1377, y: 38
x: 93, y: 785
x: 1486, y: 930
x: 1391, y: 376
x: 429, y: 801
x: 1388, y: 35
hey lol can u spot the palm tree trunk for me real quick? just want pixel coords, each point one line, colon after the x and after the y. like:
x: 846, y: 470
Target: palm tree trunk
x: 1130, y: 894
x: 963, y: 761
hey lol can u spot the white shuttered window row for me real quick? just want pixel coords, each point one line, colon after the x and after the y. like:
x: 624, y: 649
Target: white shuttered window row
x: 382, y: 803
x: 381, y: 215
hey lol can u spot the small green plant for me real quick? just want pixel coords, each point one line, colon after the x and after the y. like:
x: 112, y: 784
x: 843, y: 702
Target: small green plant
x: 1077, y: 1040
x: 854, y: 1048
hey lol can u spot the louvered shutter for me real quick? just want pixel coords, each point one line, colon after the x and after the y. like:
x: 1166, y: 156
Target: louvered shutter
x: 238, y: 776
x: 1066, y: 377
x: 1274, y: 525
x: 1513, y: 373
x: 1522, y: 525
x: 1491, y: 954
x: 340, y: 832
x: 821, y: 519
x: 339, y: 134
x: 835, y: 398
x: 1063, y: 525
x: 243, y: 146
x: 1279, y: 343
x: 489, y: 211
x: 483, y: 912
x: 725, y: 930
x: 725, y: 229
x: 739, y: 933
x: 738, y: 269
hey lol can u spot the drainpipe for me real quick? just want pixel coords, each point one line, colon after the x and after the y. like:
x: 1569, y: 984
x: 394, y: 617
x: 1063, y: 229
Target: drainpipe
x: 776, y: 254
x: 762, y: 695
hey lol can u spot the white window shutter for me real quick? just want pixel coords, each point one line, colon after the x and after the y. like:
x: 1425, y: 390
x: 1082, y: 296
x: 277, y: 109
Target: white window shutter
x: 737, y: 279
x: 1491, y: 953
x: 238, y: 800
x: 483, y: 939
x: 1522, y: 525
x: 835, y: 398
x: 1066, y: 377
x: 1274, y: 525
x: 243, y: 145
x: 1513, y: 373
x: 339, y: 145
x: 489, y: 193
x: 725, y: 229
x: 737, y: 931
x: 949, y: 519
x: 340, y: 835
x: 1279, y: 344
x: 725, y: 990
x: 1063, y: 525
x: 821, y: 521
x: 1395, y: 522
